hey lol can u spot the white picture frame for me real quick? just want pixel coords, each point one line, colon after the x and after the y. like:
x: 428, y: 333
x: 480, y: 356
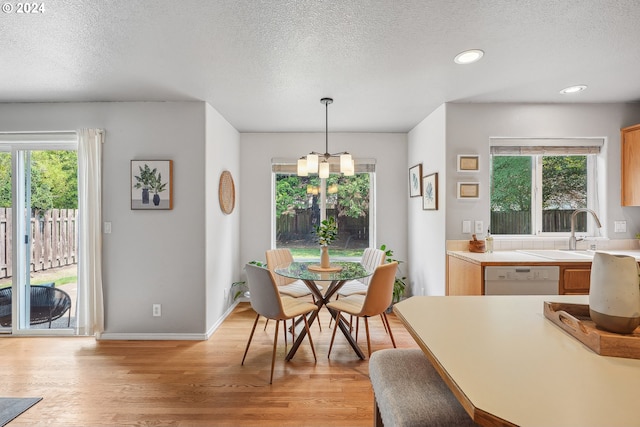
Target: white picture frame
x: 468, y: 190
x: 468, y: 163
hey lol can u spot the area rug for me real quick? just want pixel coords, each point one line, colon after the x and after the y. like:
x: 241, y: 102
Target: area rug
x: 12, y: 407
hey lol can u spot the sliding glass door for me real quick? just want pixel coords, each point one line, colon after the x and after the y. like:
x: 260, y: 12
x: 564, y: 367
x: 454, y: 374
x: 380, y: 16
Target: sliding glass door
x: 41, y: 279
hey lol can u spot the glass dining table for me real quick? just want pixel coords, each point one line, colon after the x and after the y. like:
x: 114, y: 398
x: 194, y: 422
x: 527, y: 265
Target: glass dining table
x: 308, y: 272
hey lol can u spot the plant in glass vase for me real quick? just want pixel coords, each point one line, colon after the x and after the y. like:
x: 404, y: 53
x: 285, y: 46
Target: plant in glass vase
x: 327, y: 232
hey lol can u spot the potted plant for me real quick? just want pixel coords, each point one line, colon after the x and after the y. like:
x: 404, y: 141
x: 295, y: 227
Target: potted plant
x: 399, y: 285
x: 240, y: 288
x: 145, y: 181
x: 158, y: 187
x: 326, y: 232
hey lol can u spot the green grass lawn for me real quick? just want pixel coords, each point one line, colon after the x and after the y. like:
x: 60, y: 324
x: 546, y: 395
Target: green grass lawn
x: 314, y: 253
x: 59, y: 281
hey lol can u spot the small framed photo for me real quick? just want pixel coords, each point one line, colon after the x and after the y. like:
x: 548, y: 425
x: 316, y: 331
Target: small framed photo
x: 468, y: 163
x: 151, y: 184
x: 415, y: 181
x: 468, y: 190
x: 430, y: 188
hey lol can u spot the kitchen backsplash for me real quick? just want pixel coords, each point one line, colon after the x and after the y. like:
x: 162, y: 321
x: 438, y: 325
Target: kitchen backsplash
x: 510, y: 244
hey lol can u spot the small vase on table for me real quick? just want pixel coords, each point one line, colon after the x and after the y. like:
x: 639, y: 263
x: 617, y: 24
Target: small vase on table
x: 324, y: 257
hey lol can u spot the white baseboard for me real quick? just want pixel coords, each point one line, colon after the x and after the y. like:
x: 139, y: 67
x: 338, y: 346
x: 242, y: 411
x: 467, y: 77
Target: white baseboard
x: 151, y: 336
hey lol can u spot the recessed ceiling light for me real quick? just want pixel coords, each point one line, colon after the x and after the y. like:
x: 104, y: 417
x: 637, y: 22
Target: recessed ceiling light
x: 573, y: 89
x: 468, y: 56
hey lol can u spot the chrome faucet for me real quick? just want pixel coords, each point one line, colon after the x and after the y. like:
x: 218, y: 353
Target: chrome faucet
x: 572, y: 239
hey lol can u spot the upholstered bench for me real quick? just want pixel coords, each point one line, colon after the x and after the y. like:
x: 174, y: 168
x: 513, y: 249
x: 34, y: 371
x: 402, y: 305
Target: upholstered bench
x: 408, y: 392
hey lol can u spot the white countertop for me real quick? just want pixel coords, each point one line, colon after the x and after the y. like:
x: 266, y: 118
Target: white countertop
x: 527, y: 256
x: 510, y: 361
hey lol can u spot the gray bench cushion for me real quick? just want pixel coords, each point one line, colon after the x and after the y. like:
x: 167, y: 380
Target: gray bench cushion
x: 409, y: 392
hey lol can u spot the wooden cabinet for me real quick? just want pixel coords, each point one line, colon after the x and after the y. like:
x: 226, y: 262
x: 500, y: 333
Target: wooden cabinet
x: 463, y: 277
x: 575, y: 279
x: 630, y: 148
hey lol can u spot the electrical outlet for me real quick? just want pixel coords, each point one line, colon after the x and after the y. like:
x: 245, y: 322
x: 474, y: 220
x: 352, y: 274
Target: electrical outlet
x: 157, y: 310
x: 226, y: 293
x: 479, y: 226
x: 620, y: 226
x: 107, y: 227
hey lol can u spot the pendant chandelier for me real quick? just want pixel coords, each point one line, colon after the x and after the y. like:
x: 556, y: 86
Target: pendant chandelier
x: 319, y: 163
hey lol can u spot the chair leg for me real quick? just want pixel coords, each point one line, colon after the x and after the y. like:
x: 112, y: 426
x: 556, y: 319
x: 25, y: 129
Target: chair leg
x: 265, y: 324
x: 383, y: 324
x: 331, y: 318
x: 384, y: 316
x: 318, y: 318
x: 333, y: 335
x: 366, y: 326
x: 250, y: 338
x: 306, y: 326
x: 284, y: 330
x: 357, y: 326
x: 273, y: 355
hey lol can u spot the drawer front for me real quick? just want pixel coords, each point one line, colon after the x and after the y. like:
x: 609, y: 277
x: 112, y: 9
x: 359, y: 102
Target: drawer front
x: 576, y: 278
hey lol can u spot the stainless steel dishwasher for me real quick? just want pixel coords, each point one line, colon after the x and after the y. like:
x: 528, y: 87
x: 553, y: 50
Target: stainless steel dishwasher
x: 521, y: 280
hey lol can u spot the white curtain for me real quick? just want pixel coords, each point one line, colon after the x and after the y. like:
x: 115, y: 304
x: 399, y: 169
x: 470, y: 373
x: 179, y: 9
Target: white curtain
x: 90, y: 306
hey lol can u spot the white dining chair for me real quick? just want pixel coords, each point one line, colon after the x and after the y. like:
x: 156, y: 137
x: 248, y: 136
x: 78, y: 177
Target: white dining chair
x: 371, y: 258
x: 266, y: 301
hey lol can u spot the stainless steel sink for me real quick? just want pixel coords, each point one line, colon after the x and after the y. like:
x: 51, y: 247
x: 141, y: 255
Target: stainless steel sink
x: 559, y: 254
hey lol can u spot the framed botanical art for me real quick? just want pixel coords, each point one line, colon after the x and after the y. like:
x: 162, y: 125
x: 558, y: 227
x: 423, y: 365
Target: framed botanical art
x: 468, y: 163
x: 430, y: 188
x: 151, y: 184
x: 415, y: 181
x: 468, y: 190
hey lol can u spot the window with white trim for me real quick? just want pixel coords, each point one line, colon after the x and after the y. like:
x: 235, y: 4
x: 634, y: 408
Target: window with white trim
x: 301, y: 203
x: 536, y: 185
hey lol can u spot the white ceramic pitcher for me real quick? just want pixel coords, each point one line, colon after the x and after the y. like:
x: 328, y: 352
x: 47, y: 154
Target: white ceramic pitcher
x: 614, y: 295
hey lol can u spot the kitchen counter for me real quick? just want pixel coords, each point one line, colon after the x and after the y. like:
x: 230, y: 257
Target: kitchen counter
x: 466, y: 271
x: 536, y: 256
x: 502, y: 358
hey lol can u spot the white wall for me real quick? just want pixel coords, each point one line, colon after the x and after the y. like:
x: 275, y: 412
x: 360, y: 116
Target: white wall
x: 470, y: 126
x: 223, y: 243
x: 154, y: 256
x: 427, y: 143
x: 257, y: 150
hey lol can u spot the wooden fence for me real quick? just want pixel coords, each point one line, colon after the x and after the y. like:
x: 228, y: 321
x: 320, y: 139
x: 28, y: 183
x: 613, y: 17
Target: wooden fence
x: 53, y: 240
x: 558, y: 220
x: 300, y: 228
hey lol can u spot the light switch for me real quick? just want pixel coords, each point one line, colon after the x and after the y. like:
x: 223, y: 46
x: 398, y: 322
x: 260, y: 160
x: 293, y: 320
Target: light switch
x: 466, y: 226
x: 620, y: 226
x: 479, y: 227
x: 107, y: 228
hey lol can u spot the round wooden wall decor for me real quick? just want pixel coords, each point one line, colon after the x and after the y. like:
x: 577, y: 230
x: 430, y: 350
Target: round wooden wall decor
x: 227, y: 192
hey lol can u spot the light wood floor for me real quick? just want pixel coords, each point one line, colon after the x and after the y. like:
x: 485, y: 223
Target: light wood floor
x: 85, y: 382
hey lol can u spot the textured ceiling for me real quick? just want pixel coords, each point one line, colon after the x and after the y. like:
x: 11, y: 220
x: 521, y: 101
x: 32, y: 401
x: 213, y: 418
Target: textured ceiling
x: 265, y: 64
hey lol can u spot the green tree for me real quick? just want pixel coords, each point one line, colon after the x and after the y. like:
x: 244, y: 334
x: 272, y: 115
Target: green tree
x: 291, y: 193
x: 564, y: 182
x: 5, y: 180
x: 511, y: 183
x: 54, y: 182
x: 353, y: 195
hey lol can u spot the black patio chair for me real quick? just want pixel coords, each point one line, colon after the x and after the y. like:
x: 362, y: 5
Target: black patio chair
x: 47, y: 304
